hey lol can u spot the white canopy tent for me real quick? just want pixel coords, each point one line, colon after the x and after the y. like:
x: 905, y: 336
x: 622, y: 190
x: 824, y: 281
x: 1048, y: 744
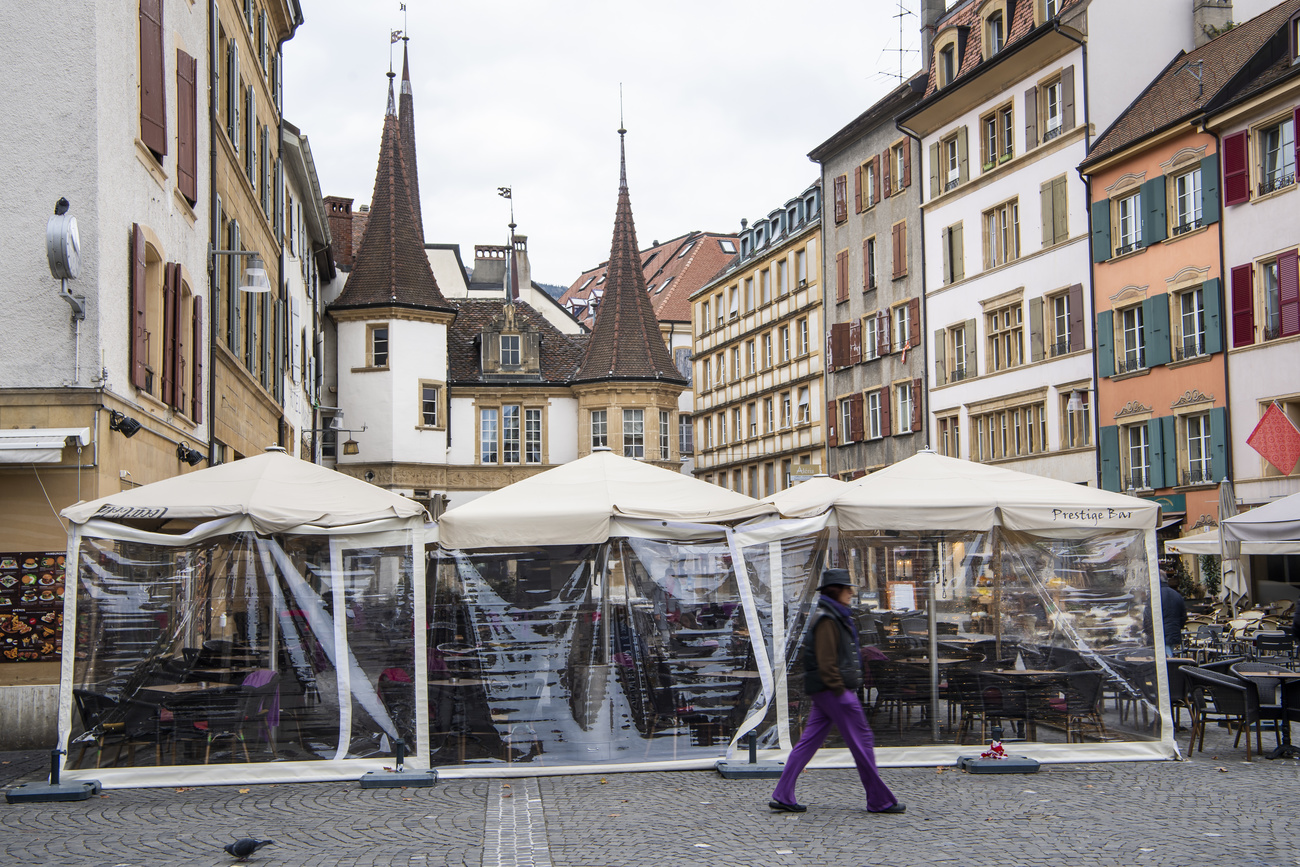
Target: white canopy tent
x: 239, y: 567
x: 1275, y: 524
x: 1207, y: 543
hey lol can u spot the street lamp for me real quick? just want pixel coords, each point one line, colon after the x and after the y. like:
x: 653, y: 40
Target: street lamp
x: 255, y: 279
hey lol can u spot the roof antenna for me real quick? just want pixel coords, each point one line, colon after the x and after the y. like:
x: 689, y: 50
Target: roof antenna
x: 1197, y: 73
x: 902, y: 13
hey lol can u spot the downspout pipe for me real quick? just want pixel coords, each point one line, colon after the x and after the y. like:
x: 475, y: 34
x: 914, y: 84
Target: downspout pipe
x: 214, y: 97
x: 1229, y: 470
x: 923, y: 327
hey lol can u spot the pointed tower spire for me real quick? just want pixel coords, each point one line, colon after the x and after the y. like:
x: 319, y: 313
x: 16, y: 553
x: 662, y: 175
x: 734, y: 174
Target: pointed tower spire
x: 626, y: 342
x: 390, y: 266
x: 392, y: 103
x: 406, y: 117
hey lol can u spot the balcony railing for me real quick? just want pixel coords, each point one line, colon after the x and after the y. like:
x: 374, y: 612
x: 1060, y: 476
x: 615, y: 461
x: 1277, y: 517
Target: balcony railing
x: 1060, y: 347
x: 1131, y: 363
x: 952, y: 184
x: 1190, y: 226
x: 1127, y: 248
x: 957, y: 375
x: 1276, y: 182
x: 1052, y: 132
x: 1273, y: 330
x: 1191, y: 348
x: 1139, y: 479
x: 1201, y: 474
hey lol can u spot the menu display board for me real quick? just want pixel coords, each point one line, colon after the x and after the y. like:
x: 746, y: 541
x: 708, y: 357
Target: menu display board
x: 31, y: 606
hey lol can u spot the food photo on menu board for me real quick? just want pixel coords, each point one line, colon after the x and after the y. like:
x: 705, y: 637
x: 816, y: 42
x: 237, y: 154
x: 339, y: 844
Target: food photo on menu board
x: 31, y: 606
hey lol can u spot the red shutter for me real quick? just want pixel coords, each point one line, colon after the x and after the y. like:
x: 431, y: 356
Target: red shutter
x: 139, y: 336
x: 170, y: 298
x: 1243, y: 305
x: 916, y: 405
x: 899, y: 263
x: 875, y: 179
x: 907, y: 163
x: 855, y: 342
x: 1288, y: 293
x: 180, y: 375
x: 855, y: 409
x: 187, y: 128
x: 1236, y: 169
x: 1076, y: 316
x: 914, y: 322
x: 885, y: 429
x: 837, y: 346
x: 841, y: 197
x: 857, y: 190
x: 832, y: 423
x: 884, y: 159
x: 153, y: 97
x: 842, y: 276
x: 196, y: 392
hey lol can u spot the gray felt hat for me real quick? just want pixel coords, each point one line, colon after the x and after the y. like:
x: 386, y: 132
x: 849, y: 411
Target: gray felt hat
x: 835, y: 577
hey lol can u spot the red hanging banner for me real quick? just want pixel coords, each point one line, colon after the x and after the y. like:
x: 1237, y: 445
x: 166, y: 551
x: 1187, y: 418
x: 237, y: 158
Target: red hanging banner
x: 1277, y: 439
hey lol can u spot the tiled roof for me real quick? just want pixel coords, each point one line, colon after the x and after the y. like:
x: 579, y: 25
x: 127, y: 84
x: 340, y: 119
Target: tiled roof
x: 390, y: 266
x: 672, y: 271
x: 560, y: 353
x: 1176, y: 94
x: 406, y: 121
x: 626, y: 342
x: 967, y: 15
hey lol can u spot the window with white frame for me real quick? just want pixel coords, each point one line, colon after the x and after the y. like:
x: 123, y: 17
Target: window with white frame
x: 785, y: 342
x: 510, y: 434
x: 1053, y: 114
x: 509, y: 350
x: 1138, y: 454
x: 733, y: 302
x: 846, y: 420
x: 532, y: 436
x: 873, y: 415
x: 769, y: 416
x: 599, y: 428
x: 736, y: 425
x: 868, y: 184
x: 1006, y: 338
x: 801, y: 267
x: 767, y: 350
x: 1191, y: 323
x: 1059, y: 305
x: 722, y: 428
x: 706, y: 373
x: 752, y: 416
x: 904, y: 392
x: 1002, y: 234
x: 997, y: 137
x: 1010, y: 433
x: 1076, y: 423
x: 430, y: 401
x: 899, y: 155
x: 781, y: 286
x: 1187, y: 201
x: 950, y: 436
x: 951, y: 153
x: 705, y: 321
x: 633, y: 433
x: 751, y: 357
x: 870, y: 337
x: 785, y: 409
x: 947, y: 65
x: 902, y: 326
x: 997, y: 36
x: 1133, y: 342
x: 869, y: 263
x: 735, y: 362
x: 378, y: 346
x: 957, y: 369
x: 1277, y: 156
x: 1128, y: 215
x: 487, y: 433
x: 1199, y: 469
x: 805, y: 408
x: 685, y: 435
x: 720, y: 368
x: 765, y: 286
x: 802, y: 325
x: 749, y: 294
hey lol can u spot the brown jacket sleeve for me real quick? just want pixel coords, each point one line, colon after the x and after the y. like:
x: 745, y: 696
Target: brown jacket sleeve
x: 826, y: 644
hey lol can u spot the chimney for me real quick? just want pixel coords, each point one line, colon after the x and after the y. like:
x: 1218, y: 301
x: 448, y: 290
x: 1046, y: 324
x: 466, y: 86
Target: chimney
x: 931, y: 12
x: 340, y: 217
x: 1209, y: 19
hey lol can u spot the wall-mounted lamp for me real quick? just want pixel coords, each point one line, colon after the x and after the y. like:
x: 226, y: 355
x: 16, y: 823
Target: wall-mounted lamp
x: 255, y: 279
x: 1075, y: 403
x: 123, y: 424
x: 351, y: 447
x: 193, y: 457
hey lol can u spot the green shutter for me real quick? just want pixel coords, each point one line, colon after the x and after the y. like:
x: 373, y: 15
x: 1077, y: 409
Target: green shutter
x: 1110, y: 458
x: 1210, y: 189
x: 1154, y: 227
x: 1155, y: 321
x: 1101, y: 230
x: 940, y: 367
x: 1213, y: 316
x: 1169, y: 443
x: 1218, y: 443
x: 1105, y: 339
x: 972, y: 353
x: 1048, y: 215
x: 1157, y: 453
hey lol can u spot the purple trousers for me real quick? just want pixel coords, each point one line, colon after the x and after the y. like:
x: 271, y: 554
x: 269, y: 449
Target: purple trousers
x: 845, y: 713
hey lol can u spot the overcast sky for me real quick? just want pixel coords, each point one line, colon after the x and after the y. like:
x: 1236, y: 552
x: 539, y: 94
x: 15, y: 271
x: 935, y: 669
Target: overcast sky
x: 722, y: 102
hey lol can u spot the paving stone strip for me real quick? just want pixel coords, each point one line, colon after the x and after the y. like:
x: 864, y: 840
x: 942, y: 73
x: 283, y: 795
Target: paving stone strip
x: 514, y: 834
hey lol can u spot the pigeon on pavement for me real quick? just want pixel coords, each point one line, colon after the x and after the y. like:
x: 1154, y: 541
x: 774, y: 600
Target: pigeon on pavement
x: 244, y: 847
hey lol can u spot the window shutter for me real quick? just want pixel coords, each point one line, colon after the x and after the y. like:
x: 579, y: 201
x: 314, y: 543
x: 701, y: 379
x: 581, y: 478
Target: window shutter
x: 1218, y: 443
x: 832, y: 424
x: 1210, y: 189
x: 944, y: 238
x: 842, y: 275
x: 875, y: 179
x: 1060, y: 211
x: 1243, y: 305
x: 857, y: 190
x: 866, y: 266
x: 855, y: 431
x: 153, y: 96
x: 1049, y: 215
x: 841, y: 195
x: 914, y: 323
x: 900, y: 250
x: 196, y: 390
x: 885, y: 428
x: 1031, y: 118
x: 1295, y: 117
x: 178, y: 328
x: 1213, y: 316
x: 169, y: 300
x: 1153, y: 211
x: 940, y: 359
x: 958, y: 254
x: 187, y: 126
x: 1104, y: 336
x: 1110, y: 466
x: 1288, y: 292
x: 963, y: 156
x: 972, y: 355
x: 834, y: 361
x: 1036, y: 329
x: 139, y: 340
x: 907, y: 160
x: 1101, y: 230
x: 854, y: 340
x: 934, y: 170
x: 1067, y: 98
x: 1155, y: 442
x: 235, y: 332
x: 916, y: 405
x: 1075, y: 315
x: 1236, y: 169
x: 1155, y: 322
x: 885, y: 171
x: 882, y: 333
x: 1169, y: 443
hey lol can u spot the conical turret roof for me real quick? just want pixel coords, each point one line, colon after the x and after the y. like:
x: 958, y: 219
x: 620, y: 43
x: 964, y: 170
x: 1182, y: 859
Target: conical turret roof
x: 626, y: 342
x: 406, y: 124
x: 390, y: 266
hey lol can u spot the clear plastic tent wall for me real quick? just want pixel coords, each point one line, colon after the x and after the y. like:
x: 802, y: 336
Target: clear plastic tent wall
x: 226, y: 655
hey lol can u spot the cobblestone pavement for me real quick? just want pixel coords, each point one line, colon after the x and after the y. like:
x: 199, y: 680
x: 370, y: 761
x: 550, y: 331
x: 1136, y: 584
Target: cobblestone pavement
x: 1211, y: 810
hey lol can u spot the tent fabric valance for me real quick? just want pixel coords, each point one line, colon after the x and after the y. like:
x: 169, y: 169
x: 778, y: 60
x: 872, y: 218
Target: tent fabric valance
x: 1276, y: 523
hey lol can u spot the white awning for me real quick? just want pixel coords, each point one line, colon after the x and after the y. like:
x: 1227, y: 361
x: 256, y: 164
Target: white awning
x: 39, y: 445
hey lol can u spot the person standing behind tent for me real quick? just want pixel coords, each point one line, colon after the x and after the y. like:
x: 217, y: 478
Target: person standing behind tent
x: 832, y: 674
x: 1173, y: 609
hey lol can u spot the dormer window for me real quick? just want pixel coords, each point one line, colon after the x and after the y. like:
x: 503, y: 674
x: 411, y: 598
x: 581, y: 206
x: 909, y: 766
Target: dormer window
x: 947, y: 65
x: 509, y: 350
x: 727, y: 246
x: 996, y: 33
x: 1051, y: 8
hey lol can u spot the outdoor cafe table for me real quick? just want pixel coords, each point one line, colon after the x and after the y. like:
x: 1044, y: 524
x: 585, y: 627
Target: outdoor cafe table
x: 191, y: 688
x: 1286, y: 750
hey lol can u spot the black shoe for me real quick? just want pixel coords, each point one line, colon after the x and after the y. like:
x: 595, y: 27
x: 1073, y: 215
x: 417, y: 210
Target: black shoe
x: 899, y: 807
x: 783, y: 807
